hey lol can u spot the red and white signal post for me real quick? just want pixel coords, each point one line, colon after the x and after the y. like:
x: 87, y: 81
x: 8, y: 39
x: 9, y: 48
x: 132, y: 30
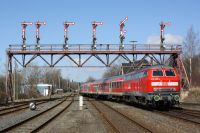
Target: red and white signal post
x: 94, y: 26
x: 122, y: 33
x: 24, y: 25
x: 66, y: 25
x: 38, y: 24
x: 162, y: 38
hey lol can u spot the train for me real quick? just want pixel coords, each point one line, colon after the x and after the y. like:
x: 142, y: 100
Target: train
x: 154, y: 86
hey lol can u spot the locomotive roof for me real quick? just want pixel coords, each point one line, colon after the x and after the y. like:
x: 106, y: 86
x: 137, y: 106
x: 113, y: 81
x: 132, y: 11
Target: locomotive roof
x: 122, y: 76
x: 154, y: 66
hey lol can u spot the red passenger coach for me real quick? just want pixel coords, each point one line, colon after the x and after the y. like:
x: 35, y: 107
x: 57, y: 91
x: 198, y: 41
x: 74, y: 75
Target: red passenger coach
x: 153, y: 85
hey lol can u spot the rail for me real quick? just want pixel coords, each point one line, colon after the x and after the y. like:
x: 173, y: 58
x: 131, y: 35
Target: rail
x: 9, y: 128
x: 114, y: 127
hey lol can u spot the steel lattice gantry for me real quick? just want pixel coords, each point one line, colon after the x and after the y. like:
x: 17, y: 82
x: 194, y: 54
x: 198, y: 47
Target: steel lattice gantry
x: 170, y: 55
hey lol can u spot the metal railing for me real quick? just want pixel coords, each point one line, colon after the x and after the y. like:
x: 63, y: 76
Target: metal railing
x: 100, y: 47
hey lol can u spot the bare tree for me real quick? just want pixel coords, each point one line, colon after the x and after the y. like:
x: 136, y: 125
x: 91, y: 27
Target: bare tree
x: 3, y: 95
x: 190, y: 49
x: 112, y: 71
x: 31, y: 77
x: 191, y: 43
x: 90, y: 79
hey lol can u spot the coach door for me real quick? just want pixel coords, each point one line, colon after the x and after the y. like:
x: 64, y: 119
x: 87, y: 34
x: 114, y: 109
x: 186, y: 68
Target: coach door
x: 110, y: 87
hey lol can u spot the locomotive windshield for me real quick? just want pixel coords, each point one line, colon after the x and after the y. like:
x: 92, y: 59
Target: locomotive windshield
x: 169, y: 73
x: 157, y: 73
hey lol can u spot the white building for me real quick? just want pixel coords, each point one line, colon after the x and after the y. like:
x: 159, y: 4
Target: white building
x: 44, y: 89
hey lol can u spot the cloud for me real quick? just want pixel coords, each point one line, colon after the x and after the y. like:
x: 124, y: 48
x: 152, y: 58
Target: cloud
x: 169, y: 39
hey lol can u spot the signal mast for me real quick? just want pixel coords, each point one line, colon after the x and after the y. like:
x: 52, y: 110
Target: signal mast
x: 66, y: 26
x: 38, y: 25
x: 94, y: 26
x: 24, y: 25
x: 122, y: 33
x: 162, y: 38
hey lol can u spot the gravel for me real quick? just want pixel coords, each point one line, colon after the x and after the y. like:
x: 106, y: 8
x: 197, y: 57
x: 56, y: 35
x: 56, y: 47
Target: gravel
x: 192, y: 107
x: 74, y: 120
x: 11, y: 119
x: 88, y: 120
x: 156, y: 122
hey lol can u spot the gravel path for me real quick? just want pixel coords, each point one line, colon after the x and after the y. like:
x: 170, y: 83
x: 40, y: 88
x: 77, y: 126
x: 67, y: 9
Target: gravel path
x: 74, y: 120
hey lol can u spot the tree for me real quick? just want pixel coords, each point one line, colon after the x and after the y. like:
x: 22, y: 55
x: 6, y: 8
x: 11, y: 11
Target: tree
x: 3, y: 95
x: 190, y: 53
x: 90, y: 79
x: 112, y: 71
x: 191, y: 43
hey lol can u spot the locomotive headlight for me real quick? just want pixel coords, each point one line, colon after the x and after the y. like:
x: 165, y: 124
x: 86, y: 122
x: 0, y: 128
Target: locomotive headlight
x: 172, y: 83
x: 176, y: 98
x: 156, y: 98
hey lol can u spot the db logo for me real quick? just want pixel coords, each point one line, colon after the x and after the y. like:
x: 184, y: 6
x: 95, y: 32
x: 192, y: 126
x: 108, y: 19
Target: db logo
x: 164, y: 83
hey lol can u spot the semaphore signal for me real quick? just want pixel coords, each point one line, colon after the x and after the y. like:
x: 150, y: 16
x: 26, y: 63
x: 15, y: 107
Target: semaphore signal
x: 162, y: 27
x: 38, y: 25
x: 66, y: 26
x: 24, y: 25
x: 94, y: 26
x: 122, y: 33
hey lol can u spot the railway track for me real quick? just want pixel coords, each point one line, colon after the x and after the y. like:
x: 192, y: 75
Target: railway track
x: 186, y: 115
x: 16, y: 108
x: 190, y: 104
x: 38, y: 121
x: 117, y: 120
x: 23, y: 105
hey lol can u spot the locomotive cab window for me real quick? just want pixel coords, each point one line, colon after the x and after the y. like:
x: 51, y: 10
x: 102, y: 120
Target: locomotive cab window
x: 157, y: 73
x: 169, y: 73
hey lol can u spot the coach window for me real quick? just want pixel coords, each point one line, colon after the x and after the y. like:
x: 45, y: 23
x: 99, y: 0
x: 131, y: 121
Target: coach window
x: 169, y: 72
x: 157, y: 73
x: 113, y: 85
x: 145, y: 74
x: 119, y: 84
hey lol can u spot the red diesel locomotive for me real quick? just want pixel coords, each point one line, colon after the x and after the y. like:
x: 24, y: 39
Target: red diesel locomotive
x: 153, y: 85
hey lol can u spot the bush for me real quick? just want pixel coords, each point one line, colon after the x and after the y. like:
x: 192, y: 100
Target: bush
x: 193, y: 96
x: 3, y: 98
x: 22, y: 96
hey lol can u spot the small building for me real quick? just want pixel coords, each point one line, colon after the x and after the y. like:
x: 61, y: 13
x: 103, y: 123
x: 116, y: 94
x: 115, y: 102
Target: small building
x: 44, y: 89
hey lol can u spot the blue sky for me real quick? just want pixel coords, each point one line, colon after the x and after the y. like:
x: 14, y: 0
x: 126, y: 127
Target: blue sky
x: 144, y: 17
